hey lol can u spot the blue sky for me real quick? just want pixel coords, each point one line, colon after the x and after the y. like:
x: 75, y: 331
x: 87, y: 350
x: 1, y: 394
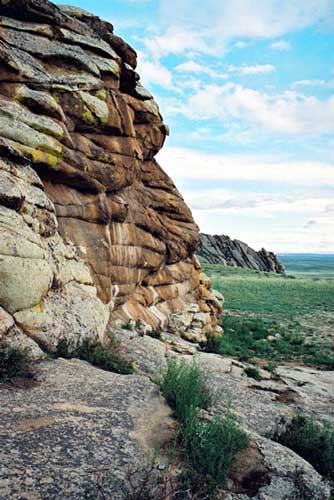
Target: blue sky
x: 247, y: 88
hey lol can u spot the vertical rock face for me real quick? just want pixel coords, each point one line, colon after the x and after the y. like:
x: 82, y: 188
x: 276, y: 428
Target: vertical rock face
x: 91, y: 228
x: 222, y: 250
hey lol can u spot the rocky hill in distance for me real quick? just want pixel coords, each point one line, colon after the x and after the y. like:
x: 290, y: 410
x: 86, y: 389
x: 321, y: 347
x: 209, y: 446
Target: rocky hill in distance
x: 216, y: 249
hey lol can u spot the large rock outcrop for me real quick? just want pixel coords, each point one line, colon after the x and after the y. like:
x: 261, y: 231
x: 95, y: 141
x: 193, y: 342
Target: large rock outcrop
x: 91, y: 228
x: 223, y: 250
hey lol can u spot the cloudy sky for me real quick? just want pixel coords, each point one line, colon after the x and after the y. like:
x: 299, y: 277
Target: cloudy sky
x: 247, y: 88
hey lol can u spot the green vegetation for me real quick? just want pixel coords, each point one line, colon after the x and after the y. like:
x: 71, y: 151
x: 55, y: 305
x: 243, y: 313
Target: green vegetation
x: 313, y: 441
x: 248, y: 339
x: 105, y: 357
x: 185, y: 389
x: 209, y: 445
x: 255, y: 292
x: 274, y: 318
x: 252, y: 372
x: 155, y: 334
x: 310, y: 265
x: 14, y: 362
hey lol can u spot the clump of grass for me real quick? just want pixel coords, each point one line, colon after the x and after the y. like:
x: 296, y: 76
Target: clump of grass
x: 313, y: 441
x: 323, y: 359
x: 14, y: 362
x: 210, y: 445
x: 270, y: 367
x: 129, y: 326
x: 252, y: 372
x: 185, y: 389
x: 155, y: 334
x: 105, y: 357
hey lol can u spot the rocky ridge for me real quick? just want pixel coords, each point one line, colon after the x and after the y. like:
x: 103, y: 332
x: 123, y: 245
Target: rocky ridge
x: 223, y: 250
x: 91, y: 228
x: 63, y: 432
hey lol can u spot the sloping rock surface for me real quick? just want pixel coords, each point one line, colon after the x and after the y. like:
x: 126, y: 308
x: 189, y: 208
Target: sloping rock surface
x: 91, y: 228
x: 78, y: 422
x: 222, y: 250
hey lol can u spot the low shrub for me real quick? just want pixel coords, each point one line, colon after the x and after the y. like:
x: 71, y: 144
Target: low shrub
x: 322, y: 359
x: 209, y: 444
x: 252, y: 372
x: 155, y: 334
x: 270, y: 367
x: 212, y: 445
x: 14, y: 362
x: 104, y: 357
x: 312, y: 440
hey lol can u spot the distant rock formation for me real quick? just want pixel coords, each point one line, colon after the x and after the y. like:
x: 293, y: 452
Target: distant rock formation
x: 223, y: 250
x: 91, y: 228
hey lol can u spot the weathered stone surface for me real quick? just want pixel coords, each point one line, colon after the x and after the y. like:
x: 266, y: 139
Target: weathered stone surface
x: 76, y: 118
x: 77, y: 422
x: 44, y: 287
x: 147, y: 354
x: 222, y: 250
x: 269, y: 471
x: 6, y: 322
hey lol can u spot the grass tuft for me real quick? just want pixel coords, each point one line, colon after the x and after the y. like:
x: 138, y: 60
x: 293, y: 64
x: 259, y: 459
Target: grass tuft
x: 185, y: 389
x: 210, y: 445
x: 311, y: 440
x: 253, y: 372
x: 104, y: 357
x: 14, y: 362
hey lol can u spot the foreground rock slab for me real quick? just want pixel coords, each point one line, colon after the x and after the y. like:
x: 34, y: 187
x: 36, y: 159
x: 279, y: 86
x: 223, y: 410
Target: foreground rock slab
x: 76, y: 421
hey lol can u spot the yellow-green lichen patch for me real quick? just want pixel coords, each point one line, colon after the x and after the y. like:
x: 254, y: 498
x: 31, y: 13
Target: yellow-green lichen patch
x: 43, y: 124
x: 14, y: 129
x: 88, y: 116
x: 36, y: 156
x: 96, y: 106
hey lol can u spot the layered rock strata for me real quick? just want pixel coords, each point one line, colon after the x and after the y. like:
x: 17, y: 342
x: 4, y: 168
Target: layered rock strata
x: 216, y: 249
x: 91, y: 228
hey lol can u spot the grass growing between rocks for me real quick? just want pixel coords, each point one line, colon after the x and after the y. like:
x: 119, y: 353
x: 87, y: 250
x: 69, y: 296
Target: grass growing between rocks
x: 14, y: 362
x: 248, y: 339
x: 104, y: 357
x: 312, y: 441
x: 209, y: 443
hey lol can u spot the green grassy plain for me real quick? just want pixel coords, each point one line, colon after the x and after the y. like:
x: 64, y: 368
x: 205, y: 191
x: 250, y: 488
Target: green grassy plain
x: 258, y: 305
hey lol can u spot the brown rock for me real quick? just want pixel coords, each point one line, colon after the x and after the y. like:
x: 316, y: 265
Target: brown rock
x: 73, y: 109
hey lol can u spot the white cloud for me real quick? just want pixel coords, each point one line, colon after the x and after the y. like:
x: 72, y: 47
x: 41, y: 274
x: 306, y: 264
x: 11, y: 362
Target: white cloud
x: 281, y: 45
x: 307, y: 202
x: 185, y: 164
x: 329, y: 84
x: 256, y: 69
x: 241, y: 44
x: 245, y: 18
x: 194, y: 67
x: 153, y: 72
x: 288, y: 113
x: 178, y: 40
x: 297, y: 220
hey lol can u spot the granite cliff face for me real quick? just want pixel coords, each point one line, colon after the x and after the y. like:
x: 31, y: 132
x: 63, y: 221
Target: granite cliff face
x: 222, y: 250
x: 91, y: 228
